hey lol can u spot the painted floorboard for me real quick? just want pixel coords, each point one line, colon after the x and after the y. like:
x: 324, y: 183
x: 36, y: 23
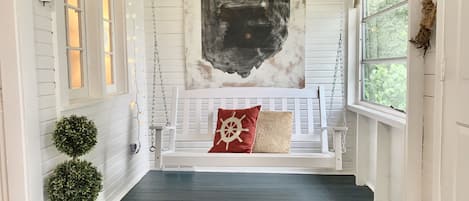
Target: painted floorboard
x: 190, y: 186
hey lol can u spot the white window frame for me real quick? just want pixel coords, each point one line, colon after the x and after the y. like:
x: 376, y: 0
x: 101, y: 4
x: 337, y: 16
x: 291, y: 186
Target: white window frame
x: 359, y: 101
x: 110, y: 89
x: 84, y: 91
x: 355, y: 100
x: 93, y: 54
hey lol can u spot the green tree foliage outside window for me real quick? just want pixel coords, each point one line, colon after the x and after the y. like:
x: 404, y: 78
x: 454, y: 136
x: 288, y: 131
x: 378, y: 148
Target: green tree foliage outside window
x: 386, y: 84
x: 384, y: 69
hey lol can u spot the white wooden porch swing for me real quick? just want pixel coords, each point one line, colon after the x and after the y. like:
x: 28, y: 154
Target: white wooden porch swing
x: 203, y: 103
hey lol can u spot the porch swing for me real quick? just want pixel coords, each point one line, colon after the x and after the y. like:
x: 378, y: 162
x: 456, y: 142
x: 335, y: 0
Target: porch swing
x: 197, y: 103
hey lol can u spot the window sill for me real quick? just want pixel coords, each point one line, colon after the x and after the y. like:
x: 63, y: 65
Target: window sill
x: 390, y: 118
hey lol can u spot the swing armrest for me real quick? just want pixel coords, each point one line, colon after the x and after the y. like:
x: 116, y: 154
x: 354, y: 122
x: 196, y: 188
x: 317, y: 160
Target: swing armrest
x: 163, y: 128
x: 170, y: 128
x: 338, y: 128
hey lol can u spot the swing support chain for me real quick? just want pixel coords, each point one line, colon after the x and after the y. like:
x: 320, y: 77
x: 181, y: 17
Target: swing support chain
x: 156, y: 131
x: 339, y: 69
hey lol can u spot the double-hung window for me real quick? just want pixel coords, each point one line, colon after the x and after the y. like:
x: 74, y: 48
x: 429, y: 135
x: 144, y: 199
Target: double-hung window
x: 92, y: 50
x: 77, y: 72
x: 108, y: 45
x: 383, y: 68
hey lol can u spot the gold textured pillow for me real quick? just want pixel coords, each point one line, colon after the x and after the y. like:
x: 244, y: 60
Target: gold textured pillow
x: 273, y: 132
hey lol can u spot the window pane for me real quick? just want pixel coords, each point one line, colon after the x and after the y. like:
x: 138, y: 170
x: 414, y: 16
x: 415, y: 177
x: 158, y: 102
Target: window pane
x: 73, y: 28
x: 107, y: 37
x: 106, y: 10
x: 373, y: 6
x: 109, y: 70
x: 75, y: 69
x: 73, y: 2
x: 386, y: 35
x: 385, y: 84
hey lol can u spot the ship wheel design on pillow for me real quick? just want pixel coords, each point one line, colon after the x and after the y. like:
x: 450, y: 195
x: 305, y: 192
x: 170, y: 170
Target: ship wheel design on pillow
x: 231, y: 130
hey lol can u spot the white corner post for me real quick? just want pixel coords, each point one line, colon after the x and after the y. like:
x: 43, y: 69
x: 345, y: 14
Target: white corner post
x: 20, y: 102
x: 412, y: 175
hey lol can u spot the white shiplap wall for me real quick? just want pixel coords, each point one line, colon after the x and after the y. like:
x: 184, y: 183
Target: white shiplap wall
x: 324, y: 21
x: 115, y: 119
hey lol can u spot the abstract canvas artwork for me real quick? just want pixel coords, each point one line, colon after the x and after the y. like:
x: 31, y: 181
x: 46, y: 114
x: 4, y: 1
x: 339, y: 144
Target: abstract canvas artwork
x: 244, y: 43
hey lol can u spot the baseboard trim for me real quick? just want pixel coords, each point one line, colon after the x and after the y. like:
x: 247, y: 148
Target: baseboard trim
x: 371, y: 186
x: 130, y: 185
x: 257, y: 170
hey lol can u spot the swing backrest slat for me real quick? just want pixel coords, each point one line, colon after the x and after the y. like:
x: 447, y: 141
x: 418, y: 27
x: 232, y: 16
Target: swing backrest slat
x: 199, y: 112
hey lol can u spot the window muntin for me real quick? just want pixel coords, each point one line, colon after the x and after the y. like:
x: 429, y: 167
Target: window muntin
x: 384, y: 53
x: 74, y: 18
x: 108, y: 43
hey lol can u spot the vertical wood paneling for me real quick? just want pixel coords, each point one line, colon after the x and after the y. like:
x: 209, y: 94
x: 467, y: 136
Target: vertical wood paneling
x: 310, y: 115
x: 284, y: 104
x: 235, y: 103
x: 185, y: 121
x: 297, y: 116
x: 198, y: 106
x: 211, y: 116
x: 383, y: 163
x: 271, y: 104
x: 247, y: 102
x: 430, y: 79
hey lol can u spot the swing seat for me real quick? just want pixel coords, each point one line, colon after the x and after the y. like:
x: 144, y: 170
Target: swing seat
x: 198, y: 115
x: 293, y: 160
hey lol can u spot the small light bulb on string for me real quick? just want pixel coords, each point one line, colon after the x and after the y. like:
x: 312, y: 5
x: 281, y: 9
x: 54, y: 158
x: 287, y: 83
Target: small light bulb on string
x: 132, y: 105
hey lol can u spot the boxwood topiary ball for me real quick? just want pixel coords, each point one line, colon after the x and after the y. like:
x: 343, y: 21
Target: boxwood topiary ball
x: 75, y: 136
x: 74, y: 180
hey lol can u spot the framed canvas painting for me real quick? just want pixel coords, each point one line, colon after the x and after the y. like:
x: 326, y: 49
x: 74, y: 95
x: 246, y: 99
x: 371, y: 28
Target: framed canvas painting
x: 244, y: 43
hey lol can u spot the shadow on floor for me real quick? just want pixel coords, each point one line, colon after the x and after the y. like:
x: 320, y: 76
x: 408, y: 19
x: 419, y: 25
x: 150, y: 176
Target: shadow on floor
x: 195, y: 186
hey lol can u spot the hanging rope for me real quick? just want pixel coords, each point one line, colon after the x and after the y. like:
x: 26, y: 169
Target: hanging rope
x: 156, y: 69
x: 339, y: 68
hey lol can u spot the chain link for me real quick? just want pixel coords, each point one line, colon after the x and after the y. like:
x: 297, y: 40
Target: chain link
x: 339, y: 68
x: 157, y: 68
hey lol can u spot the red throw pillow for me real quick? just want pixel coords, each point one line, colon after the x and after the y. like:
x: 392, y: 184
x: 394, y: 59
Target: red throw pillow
x: 236, y: 130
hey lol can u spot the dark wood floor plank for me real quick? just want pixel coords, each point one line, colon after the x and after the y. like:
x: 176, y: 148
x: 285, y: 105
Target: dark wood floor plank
x: 190, y: 186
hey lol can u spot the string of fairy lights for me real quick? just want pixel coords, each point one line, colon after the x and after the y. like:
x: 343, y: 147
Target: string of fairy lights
x: 131, y: 17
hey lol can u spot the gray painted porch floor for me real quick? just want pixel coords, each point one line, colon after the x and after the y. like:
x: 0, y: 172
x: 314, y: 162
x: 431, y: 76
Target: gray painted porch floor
x: 194, y: 186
